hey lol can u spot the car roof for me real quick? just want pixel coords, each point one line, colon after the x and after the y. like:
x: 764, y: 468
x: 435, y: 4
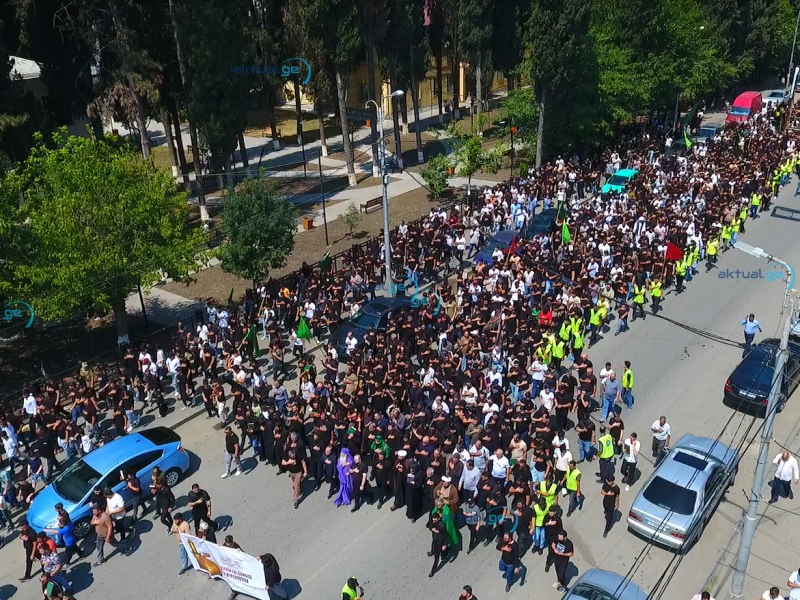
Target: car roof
x: 715, y: 126
x: 505, y: 236
x: 613, y: 583
x: 777, y: 92
x: 626, y: 172
x: 705, y: 446
x: 109, y: 455
x: 745, y: 98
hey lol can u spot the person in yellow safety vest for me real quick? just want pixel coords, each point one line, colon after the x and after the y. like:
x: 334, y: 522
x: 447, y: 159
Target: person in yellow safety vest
x: 543, y: 353
x: 540, y: 510
x: 639, y: 292
x: 596, y: 318
x: 565, y: 332
x: 680, y: 273
x: 736, y: 225
x: 655, y: 294
x: 725, y: 237
x: 572, y: 483
x: 755, y: 202
x: 627, y: 385
x: 557, y: 350
x: 606, y: 448
x: 712, y: 246
x: 547, y: 490
x: 577, y: 332
x: 352, y: 590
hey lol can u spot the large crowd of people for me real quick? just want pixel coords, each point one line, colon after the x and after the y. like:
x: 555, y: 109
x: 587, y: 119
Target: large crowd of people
x: 457, y: 410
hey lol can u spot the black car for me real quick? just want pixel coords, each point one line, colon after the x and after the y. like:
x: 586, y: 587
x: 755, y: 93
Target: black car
x: 748, y: 386
x: 544, y: 222
x: 373, y: 313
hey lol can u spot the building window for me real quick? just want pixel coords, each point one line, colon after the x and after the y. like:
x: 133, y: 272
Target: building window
x: 434, y: 86
x: 362, y: 92
x: 449, y: 84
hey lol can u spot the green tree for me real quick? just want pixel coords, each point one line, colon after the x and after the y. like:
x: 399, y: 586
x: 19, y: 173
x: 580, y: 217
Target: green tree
x: 556, y: 35
x: 435, y: 176
x: 475, y: 32
x: 259, y: 228
x: 352, y: 218
x: 523, y: 113
x: 468, y: 154
x: 99, y: 222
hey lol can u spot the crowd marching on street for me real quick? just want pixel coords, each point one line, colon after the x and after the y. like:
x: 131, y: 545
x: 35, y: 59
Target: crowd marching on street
x: 459, y: 411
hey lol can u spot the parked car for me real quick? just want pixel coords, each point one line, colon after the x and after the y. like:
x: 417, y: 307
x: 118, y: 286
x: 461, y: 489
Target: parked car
x: 139, y: 452
x: 745, y: 106
x: 681, y: 494
x: 677, y: 147
x: 375, y: 312
x: 599, y: 584
x: 541, y: 223
x: 707, y: 132
x: 748, y: 386
x: 619, y: 180
x: 503, y: 240
x: 775, y: 97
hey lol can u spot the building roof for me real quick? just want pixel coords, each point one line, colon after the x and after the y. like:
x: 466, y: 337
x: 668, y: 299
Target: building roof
x: 24, y: 69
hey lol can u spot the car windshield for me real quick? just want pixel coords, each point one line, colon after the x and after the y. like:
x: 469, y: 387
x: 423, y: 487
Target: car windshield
x: 590, y: 592
x: 74, y: 483
x: 492, y: 244
x: 754, y: 368
x: 618, y: 180
x: 363, y: 320
x: 740, y: 111
x: 707, y: 132
x: 776, y: 95
x: 670, y: 496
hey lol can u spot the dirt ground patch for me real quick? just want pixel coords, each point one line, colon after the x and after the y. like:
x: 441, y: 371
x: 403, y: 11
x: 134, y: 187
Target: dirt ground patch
x: 309, y: 247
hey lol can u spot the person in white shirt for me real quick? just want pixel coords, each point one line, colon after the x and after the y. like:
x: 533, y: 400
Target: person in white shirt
x: 10, y: 446
x: 661, y: 435
x: 773, y: 593
x: 479, y: 455
x: 115, y: 507
x: 173, y: 364
x: 495, y: 378
x: 500, y: 466
x: 489, y: 410
x: 794, y: 585
x: 30, y: 405
x: 350, y: 343
x: 702, y: 596
x: 786, y: 471
x: 469, y: 393
x: 630, y: 456
x: 546, y: 398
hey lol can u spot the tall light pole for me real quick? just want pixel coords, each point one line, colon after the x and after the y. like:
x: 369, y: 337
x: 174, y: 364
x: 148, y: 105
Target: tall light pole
x: 387, y: 250
x: 749, y: 526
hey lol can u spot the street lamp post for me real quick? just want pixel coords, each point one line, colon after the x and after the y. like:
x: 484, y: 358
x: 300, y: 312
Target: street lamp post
x: 387, y: 250
x: 791, y: 56
x: 749, y: 525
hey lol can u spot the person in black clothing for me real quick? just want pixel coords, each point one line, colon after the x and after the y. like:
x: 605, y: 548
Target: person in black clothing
x: 563, y: 550
x: 205, y: 532
x: 509, y: 561
x: 134, y: 487
x: 47, y: 445
x: 200, y: 503
x: 165, y: 504
x: 552, y: 525
x: 438, y: 542
x: 272, y: 576
x: 358, y: 475
x: 98, y: 499
x: 381, y: 472
x: 28, y: 537
x: 610, y: 493
x: 525, y: 516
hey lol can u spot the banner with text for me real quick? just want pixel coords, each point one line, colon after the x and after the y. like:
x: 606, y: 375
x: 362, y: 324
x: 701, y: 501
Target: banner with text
x: 244, y: 573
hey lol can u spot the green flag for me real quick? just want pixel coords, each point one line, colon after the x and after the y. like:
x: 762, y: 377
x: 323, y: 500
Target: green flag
x: 565, y: 236
x: 562, y: 211
x: 252, y: 337
x: 303, y: 332
x: 686, y: 139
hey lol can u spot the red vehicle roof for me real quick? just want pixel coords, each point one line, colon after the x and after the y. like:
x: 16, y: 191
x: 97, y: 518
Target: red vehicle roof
x: 745, y: 98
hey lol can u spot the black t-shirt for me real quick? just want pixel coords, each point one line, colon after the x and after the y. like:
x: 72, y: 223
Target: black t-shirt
x: 231, y: 441
x: 201, y: 508
x: 609, y: 502
x: 564, y: 546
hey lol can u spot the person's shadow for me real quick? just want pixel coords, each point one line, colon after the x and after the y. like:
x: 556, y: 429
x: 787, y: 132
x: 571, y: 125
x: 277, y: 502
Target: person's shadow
x: 80, y: 577
x: 7, y: 591
x: 223, y: 522
x: 291, y: 587
x: 571, y: 573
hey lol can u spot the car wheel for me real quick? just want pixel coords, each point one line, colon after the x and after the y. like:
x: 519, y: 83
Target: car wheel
x: 81, y: 529
x: 172, y: 477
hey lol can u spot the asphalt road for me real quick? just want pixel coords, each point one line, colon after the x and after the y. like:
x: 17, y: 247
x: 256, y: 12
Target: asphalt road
x: 679, y: 373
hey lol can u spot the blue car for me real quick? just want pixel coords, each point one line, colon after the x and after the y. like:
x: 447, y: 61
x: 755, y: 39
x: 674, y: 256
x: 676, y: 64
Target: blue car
x: 104, y: 467
x: 374, y: 313
x: 502, y: 239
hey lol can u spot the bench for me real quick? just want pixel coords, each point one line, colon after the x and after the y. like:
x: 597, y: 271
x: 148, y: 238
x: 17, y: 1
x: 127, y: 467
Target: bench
x: 370, y: 204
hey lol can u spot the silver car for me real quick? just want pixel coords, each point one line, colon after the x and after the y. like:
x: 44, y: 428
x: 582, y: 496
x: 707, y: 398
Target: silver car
x: 681, y: 494
x: 775, y: 97
x: 597, y: 584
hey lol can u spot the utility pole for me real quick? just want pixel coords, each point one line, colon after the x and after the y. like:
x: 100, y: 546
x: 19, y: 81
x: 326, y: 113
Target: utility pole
x: 749, y: 527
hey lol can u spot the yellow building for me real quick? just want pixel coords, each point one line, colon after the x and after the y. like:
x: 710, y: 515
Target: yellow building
x: 427, y: 92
